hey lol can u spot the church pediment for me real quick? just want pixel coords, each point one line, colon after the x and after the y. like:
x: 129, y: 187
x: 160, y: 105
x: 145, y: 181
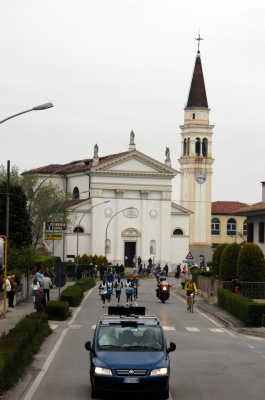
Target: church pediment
x: 135, y: 163
x: 177, y: 209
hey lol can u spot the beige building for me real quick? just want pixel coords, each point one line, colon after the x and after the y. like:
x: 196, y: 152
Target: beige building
x: 226, y: 226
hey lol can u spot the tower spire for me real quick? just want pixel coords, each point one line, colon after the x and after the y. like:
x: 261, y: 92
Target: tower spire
x: 197, y: 95
x: 199, y: 41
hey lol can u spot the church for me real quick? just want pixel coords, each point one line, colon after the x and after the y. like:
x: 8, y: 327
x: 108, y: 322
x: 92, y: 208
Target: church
x: 122, y: 202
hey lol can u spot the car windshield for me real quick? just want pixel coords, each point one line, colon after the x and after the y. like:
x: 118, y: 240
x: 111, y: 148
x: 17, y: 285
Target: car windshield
x: 130, y: 338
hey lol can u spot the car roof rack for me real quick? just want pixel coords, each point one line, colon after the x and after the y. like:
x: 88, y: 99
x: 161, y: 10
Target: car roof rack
x: 126, y: 311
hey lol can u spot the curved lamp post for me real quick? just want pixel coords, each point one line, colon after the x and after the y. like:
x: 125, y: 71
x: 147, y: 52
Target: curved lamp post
x: 37, y: 108
x: 106, y: 238
x: 77, y: 237
x: 44, y: 180
x: 53, y: 220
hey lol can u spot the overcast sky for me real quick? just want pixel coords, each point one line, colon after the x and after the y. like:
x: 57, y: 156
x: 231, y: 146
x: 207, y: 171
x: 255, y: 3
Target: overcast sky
x: 112, y: 66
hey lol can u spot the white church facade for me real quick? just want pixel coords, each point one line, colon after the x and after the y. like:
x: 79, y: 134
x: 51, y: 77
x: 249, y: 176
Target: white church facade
x: 127, y: 212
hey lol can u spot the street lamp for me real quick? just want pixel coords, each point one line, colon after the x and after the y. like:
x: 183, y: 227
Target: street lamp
x: 103, y: 202
x: 37, y: 108
x: 128, y: 208
x: 41, y: 107
x: 53, y: 220
x: 44, y: 180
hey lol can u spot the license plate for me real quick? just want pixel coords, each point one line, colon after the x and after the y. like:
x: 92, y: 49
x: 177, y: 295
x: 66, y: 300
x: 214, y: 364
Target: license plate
x: 131, y: 380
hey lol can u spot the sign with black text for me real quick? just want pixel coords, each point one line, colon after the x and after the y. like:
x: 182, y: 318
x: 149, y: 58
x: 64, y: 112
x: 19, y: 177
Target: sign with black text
x: 55, y: 227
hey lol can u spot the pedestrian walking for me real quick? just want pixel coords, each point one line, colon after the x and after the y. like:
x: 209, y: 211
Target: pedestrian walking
x: 39, y: 276
x: 166, y: 269
x: 40, y: 302
x: 46, y: 284
x: 182, y: 279
x: 8, y: 287
x: 35, y: 287
x: 12, y: 291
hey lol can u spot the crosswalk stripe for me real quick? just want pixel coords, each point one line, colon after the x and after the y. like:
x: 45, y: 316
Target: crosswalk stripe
x: 193, y: 329
x: 216, y: 330
x: 169, y: 328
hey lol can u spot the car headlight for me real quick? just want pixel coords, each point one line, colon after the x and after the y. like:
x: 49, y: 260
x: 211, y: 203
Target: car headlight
x: 102, y: 371
x: 160, y: 371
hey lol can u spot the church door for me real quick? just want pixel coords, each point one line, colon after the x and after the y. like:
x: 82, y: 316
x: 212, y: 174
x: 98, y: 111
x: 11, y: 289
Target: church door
x: 129, y: 253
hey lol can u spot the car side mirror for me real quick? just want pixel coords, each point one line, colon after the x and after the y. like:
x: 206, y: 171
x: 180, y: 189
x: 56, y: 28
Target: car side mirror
x: 172, y: 347
x: 88, y: 346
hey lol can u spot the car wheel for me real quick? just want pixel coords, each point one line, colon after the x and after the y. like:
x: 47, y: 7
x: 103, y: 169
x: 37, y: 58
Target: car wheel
x: 164, y: 395
x: 94, y: 393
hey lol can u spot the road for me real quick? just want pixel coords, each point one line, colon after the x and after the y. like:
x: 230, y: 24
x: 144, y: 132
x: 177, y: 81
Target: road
x: 210, y: 361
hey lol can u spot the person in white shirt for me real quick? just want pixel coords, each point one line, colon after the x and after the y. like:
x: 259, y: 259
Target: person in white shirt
x: 118, y: 286
x: 103, y: 291
x: 35, y: 286
x: 108, y: 338
x: 129, y: 291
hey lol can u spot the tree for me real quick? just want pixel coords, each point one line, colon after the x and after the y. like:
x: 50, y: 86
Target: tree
x: 216, y: 259
x: 47, y: 200
x: 19, y: 225
x: 251, y: 264
x: 228, y: 262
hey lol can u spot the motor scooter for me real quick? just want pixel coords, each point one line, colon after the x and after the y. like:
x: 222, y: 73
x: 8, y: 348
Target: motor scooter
x: 163, y: 291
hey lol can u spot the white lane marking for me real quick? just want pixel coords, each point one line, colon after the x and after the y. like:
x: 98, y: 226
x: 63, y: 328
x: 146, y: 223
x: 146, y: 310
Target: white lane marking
x: 136, y: 304
x: 45, y: 367
x: 216, y: 330
x: 255, y: 338
x: 192, y: 329
x: 54, y: 326
x: 79, y: 308
x: 169, y: 328
x: 206, y: 316
x: 93, y: 326
x: 251, y: 347
x: 74, y: 326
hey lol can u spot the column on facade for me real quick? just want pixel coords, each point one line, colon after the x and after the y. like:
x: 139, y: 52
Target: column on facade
x: 165, y: 228
x: 144, y: 246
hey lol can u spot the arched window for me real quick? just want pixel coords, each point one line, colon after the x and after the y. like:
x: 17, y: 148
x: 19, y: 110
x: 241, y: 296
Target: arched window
x: 79, y: 229
x: 204, y: 147
x: 185, y: 147
x: 215, y: 226
x: 198, y: 146
x: 245, y: 228
x: 178, y: 231
x: 231, y: 227
x: 76, y: 193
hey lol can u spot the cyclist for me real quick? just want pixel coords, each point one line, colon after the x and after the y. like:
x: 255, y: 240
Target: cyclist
x: 118, y: 286
x: 135, y: 284
x: 191, y: 288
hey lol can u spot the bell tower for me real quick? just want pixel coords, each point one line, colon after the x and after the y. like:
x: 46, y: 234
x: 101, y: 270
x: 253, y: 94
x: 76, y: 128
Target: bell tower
x: 196, y: 165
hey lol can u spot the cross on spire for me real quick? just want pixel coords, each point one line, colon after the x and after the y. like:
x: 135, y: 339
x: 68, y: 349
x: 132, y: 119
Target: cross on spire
x: 199, y: 39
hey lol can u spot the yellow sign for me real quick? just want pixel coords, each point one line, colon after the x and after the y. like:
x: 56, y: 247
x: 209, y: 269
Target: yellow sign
x: 56, y: 236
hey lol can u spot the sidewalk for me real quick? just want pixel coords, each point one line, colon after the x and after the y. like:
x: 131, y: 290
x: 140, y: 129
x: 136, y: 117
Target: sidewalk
x: 13, y: 315
x: 219, y: 313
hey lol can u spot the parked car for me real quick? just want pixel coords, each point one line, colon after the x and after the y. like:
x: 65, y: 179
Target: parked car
x: 129, y: 354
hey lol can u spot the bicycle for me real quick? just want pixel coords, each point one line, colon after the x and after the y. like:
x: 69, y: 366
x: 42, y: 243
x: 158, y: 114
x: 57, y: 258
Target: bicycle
x: 190, y: 302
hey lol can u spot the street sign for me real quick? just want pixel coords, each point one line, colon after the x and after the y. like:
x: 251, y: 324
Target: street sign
x: 55, y: 227
x: 55, y: 236
x: 189, y: 256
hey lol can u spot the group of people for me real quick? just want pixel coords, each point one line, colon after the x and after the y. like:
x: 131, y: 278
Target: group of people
x: 41, y: 285
x: 11, y: 289
x: 109, y: 284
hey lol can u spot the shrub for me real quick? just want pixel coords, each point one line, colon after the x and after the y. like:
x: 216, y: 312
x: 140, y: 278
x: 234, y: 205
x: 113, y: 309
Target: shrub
x: 228, y: 262
x: 73, y: 294
x: 58, y: 310
x: 241, y: 307
x: 18, y: 346
x: 251, y: 264
x: 216, y: 259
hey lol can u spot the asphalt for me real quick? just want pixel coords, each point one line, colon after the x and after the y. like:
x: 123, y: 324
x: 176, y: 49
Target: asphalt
x: 13, y: 315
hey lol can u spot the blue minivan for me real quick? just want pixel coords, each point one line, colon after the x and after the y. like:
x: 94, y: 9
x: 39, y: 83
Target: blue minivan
x: 129, y: 355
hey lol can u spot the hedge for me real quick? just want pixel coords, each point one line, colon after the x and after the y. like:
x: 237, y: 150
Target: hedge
x: 73, y: 295
x: 58, y: 310
x: 243, y: 308
x: 19, y: 345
